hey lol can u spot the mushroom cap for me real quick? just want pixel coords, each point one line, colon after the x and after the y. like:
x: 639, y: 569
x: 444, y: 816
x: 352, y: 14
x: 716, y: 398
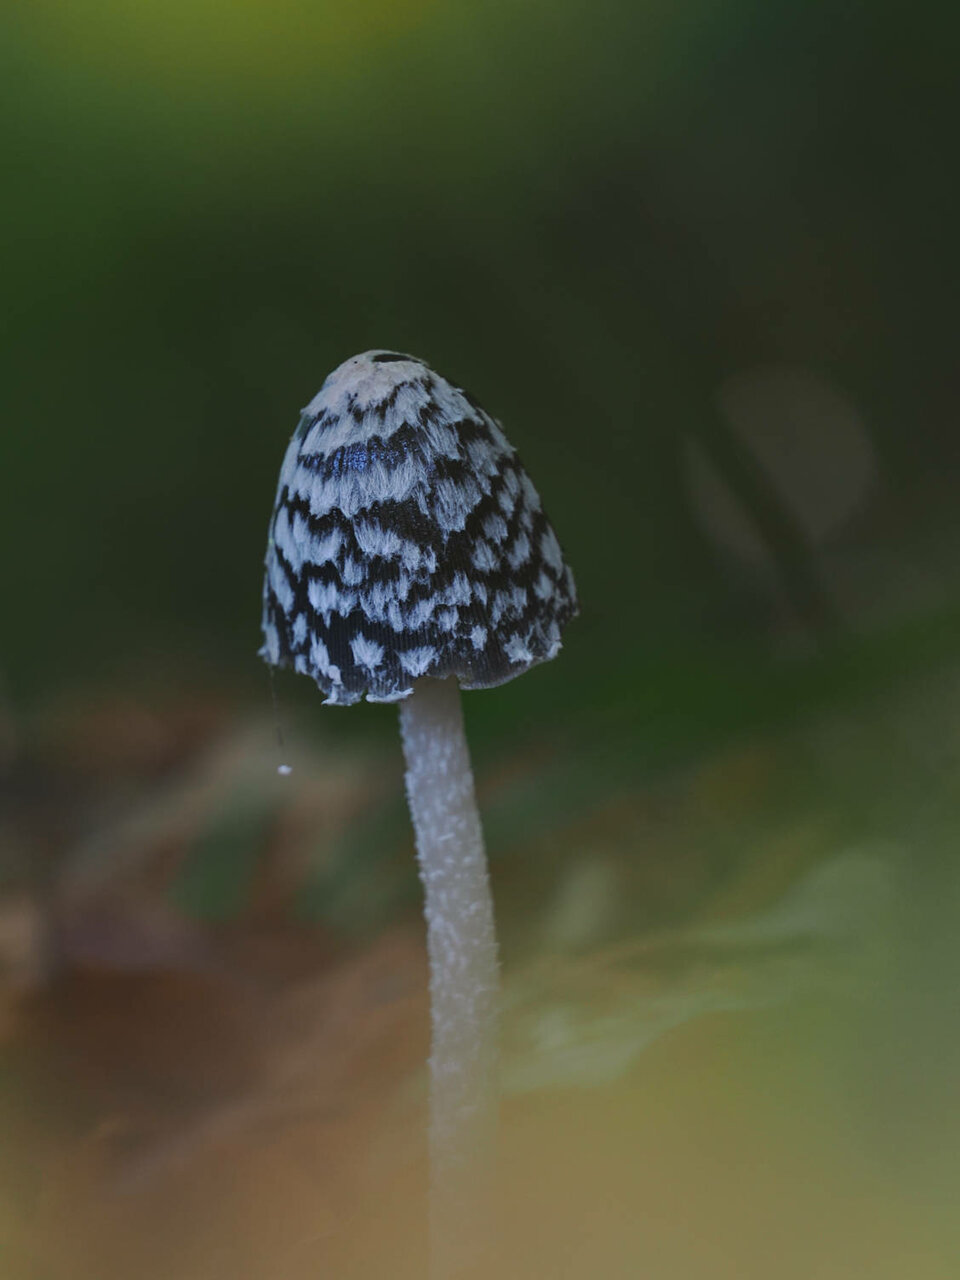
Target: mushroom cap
x: 407, y: 541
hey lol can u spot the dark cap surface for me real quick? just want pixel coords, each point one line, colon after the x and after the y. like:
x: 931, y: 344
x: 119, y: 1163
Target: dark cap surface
x: 407, y: 541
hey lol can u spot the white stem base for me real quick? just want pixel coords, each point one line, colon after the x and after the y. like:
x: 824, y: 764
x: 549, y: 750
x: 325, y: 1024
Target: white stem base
x: 464, y: 978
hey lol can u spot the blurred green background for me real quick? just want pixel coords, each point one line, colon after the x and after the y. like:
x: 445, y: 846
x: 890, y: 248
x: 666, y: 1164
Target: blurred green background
x: 701, y: 260
x: 591, y: 215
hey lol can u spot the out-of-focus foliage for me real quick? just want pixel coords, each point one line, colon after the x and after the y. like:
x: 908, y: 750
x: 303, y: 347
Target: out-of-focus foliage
x: 591, y: 214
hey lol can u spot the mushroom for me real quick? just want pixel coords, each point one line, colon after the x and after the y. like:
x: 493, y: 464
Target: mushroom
x: 409, y: 558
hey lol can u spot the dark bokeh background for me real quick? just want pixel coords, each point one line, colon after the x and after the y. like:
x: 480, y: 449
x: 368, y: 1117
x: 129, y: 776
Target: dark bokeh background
x: 701, y: 259
x: 590, y: 214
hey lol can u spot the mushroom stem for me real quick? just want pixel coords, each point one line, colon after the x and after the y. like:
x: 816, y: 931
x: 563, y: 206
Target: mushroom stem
x: 464, y: 977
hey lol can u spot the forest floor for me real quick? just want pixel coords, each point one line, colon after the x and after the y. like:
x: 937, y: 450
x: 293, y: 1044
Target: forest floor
x: 725, y: 1052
